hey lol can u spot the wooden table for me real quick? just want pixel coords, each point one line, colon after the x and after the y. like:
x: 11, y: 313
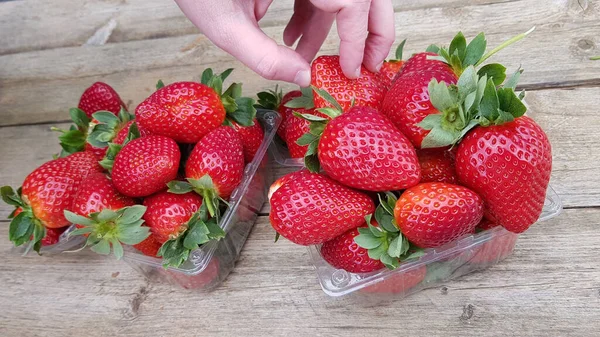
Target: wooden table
x: 51, y: 50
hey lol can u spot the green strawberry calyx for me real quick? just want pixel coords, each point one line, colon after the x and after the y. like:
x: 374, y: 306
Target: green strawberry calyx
x: 317, y: 126
x: 204, y: 187
x: 238, y: 109
x: 478, y: 98
x: 269, y: 99
x: 200, y: 229
x: 385, y: 242
x: 110, y: 229
x: 595, y: 58
x: 113, y: 148
x: 398, y: 53
x: 73, y: 140
x: 305, y: 101
x: 24, y: 227
x: 108, y: 125
x: 460, y: 55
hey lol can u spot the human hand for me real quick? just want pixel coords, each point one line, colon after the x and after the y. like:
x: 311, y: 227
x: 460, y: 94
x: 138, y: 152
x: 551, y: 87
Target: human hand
x: 366, y: 30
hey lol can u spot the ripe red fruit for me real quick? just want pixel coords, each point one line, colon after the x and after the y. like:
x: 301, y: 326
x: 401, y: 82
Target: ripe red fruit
x: 407, y: 102
x: 100, y: 96
x: 285, y: 112
x: 367, y: 90
x: 420, y: 62
x: 183, y: 111
x: 296, y: 128
x: 391, y: 68
x: 219, y: 155
x: 362, y: 149
x: 310, y: 208
x: 497, y: 248
x: 96, y: 192
x: 119, y: 138
x: 343, y: 253
x: 437, y: 165
x: 433, y: 214
x: 167, y: 213
x: 251, y: 138
x: 52, y: 236
x: 398, y: 283
x: 145, y: 166
x: 148, y: 247
x: 509, y: 165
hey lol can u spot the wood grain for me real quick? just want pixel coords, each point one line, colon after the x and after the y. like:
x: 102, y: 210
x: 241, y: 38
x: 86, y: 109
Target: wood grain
x: 273, y: 291
x: 133, y: 67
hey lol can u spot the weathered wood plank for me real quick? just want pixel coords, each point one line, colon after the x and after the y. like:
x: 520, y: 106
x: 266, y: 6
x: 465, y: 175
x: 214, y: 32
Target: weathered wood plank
x: 273, y: 291
x: 133, y: 67
x: 135, y: 20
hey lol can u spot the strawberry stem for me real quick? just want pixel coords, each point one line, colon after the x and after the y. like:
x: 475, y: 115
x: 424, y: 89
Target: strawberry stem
x: 504, y: 45
x: 595, y: 58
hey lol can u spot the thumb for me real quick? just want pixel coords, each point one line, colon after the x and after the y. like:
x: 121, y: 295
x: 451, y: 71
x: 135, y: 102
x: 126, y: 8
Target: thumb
x: 249, y: 44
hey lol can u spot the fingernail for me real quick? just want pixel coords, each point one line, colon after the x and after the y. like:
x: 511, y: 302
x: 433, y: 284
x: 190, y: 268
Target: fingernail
x: 302, y: 78
x: 378, y: 67
x: 357, y: 72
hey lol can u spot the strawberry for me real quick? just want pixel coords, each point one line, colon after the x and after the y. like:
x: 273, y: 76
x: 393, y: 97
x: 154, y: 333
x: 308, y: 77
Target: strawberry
x: 215, y: 167
x: 433, y: 214
x: 367, y: 90
x: 46, y: 192
x: 343, y: 253
x: 148, y: 247
x: 423, y: 62
x: 398, y: 283
x: 509, y: 165
x: 187, y: 111
x: 281, y: 181
x: 310, y: 208
x: 251, y: 138
x: 52, y: 236
x: 296, y: 126
x: 498, y: 247
x: 286, y: 112
x: 145, y: 165
x: 167, y: 213
x: 100, y: 97
x: 390, y: 68
x: 105, y: 216
x: 361, y: 149
x: 437, y: 165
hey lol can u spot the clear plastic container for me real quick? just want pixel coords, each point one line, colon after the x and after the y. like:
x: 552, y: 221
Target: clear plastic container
x: 65, y: 243
x: 281, y: 155
x: 438, y: 265
x: 210, y: 264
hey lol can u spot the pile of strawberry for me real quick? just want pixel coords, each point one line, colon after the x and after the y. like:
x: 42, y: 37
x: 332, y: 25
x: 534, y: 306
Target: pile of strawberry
x: 158, y: 180
x: 425, y: 152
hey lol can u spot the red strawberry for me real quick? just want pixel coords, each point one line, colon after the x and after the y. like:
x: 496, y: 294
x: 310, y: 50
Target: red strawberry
x: 500, y: 245
x: 100, y: 96
x: 285, y: 112
x: 52, y: 236
x: 311, y: 208
x: 367, y: 90
x: 398, y: 283
x: 187, y: 111
x: 167, y: 213
x: 421, y: 62
x: 46, y: 192
x: 407, y: 102
x: 148, y: 247
x: 362, y: 149
x: 105, y: 216
x: 343, y: 253
x: 215, y: 167
x: 281, y: 181
x: 390, y: 68
x: 251, y: 138
x: 296, y: 128
x: 119, y: 137
x: 145, y: 166
x: 509, y: 165
x: 433, y: 214
x: 437, y: 165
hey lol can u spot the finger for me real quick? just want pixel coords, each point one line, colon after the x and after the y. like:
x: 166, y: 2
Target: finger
x: 315, y: 33
x: 260, y: 8
x: 382, y: 34
x: 352, y: 24
x: 293, y: 30
x: 265, y: 57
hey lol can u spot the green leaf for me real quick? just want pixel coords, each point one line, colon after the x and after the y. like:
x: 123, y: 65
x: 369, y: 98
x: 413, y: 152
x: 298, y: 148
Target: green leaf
x: 102, y: 247
x: 300, y: 102
x: 458, y: 46
x: 312, y: 163
x: 328, y: 98
x: 215, y: 232
x: 196, y: 234
x: 207, y: 75
x: 312, y: 149
x: 107, y: 214
x: 134, y: 233
x: 395, y: 248
x: 311, y: 118
x: 440, y: 95
x: 225, y: 74
x: 433, y: 49
x: 386, y: 206
x: 277, y: 236
x: 179, y: 187
x: 19, y: 226
x: 306, y: 139
x: 377, y: 252
x: 503, y: 117
x: 160, y: 84
x: 510, y: 103
x: 81, y: 231
x: 173, y: 253
x: 117, y: 248
x: 503, y: 45
x: 376, y: 232
x: 495, y: 71
x: 234, y: 90
x: 514, y: 79
x: 10, y: 197
x: 416, y: 254
x: 489, y: 102
x: 106, y: 117
x: 389, y: 261
x: 204, y: 183
x: 79, y: 118
x: 367, y: 241
x: 132, y: 214
x: 245, y: 112
x: 399, y: 50
x: 475, y: 50
x: 77, y: 219
x: 431, y: 121
x: 438, y: 137
x: 467, y: 83
x: 217, y: 84
x: 317, y: 128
